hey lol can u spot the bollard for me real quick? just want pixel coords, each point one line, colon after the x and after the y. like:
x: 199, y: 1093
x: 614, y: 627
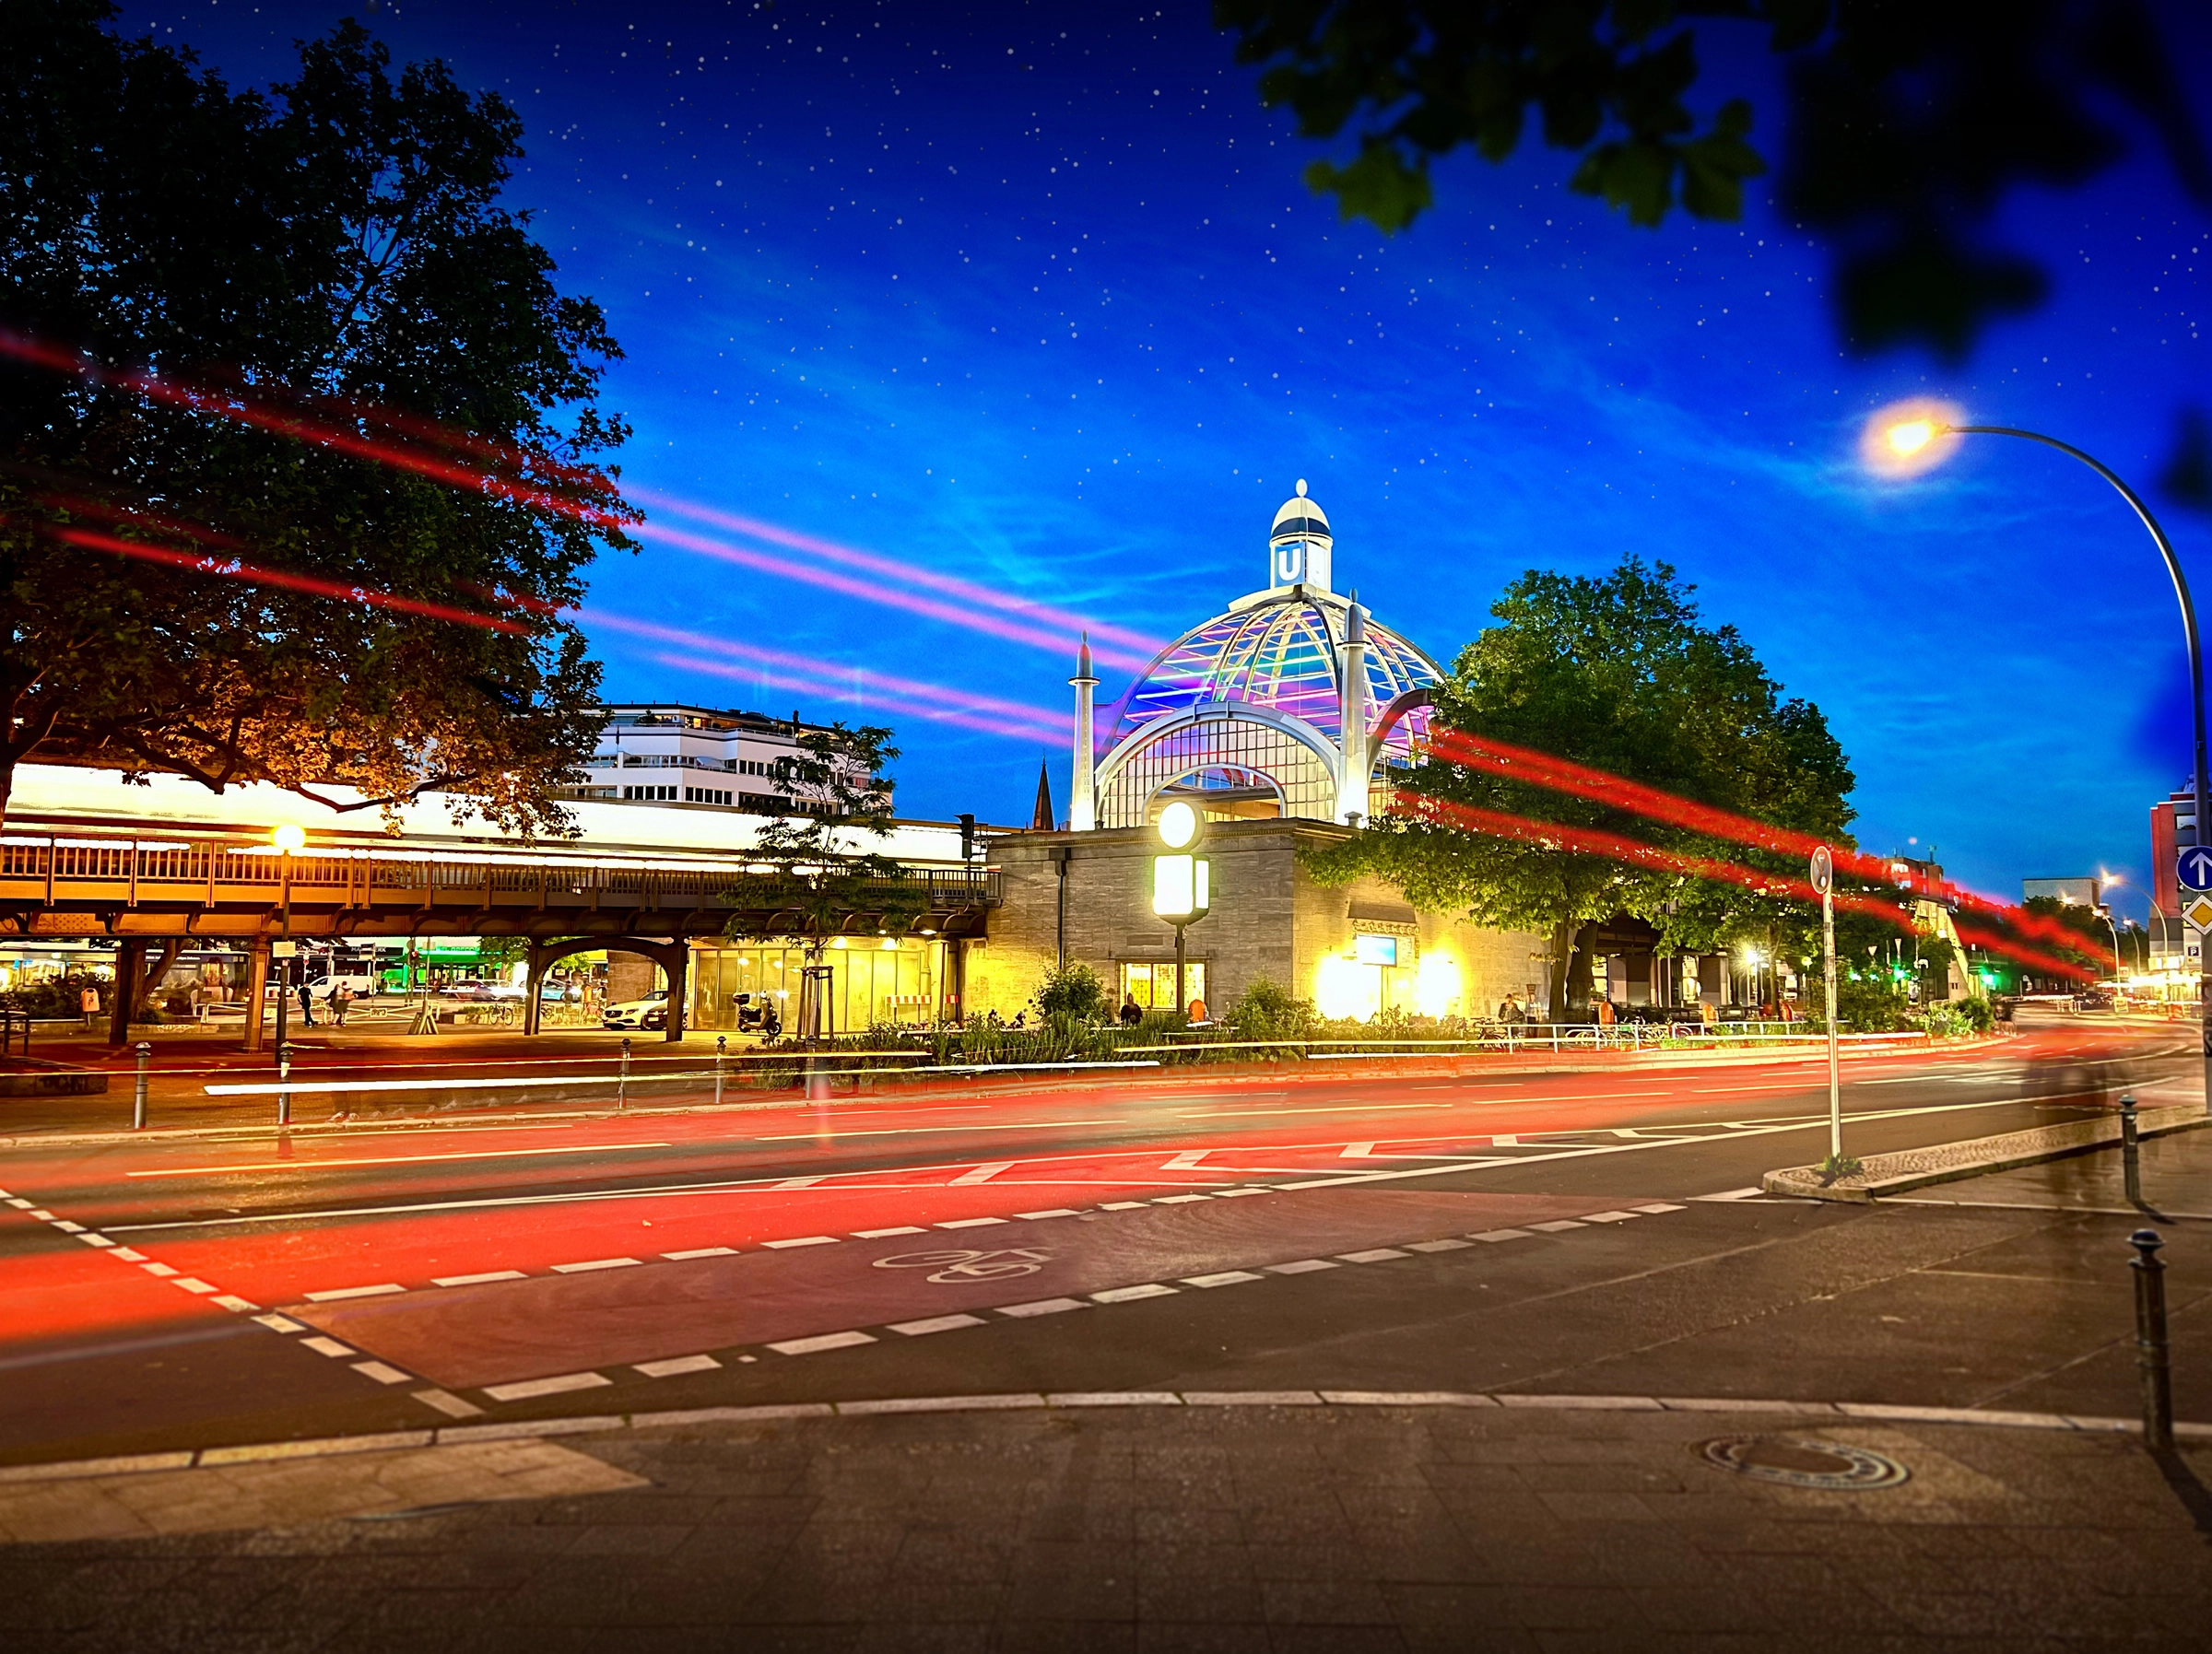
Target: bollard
x: 2150, y: 1340
x: 622, y: 1080
x: 138, y: 1095
x: 2130, y: 1165
x: 284, y: 1071
x: 722, y: 1046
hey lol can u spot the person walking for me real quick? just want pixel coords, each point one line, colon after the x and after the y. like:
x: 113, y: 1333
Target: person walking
x: 307, y: 1005
x: 340, y: 997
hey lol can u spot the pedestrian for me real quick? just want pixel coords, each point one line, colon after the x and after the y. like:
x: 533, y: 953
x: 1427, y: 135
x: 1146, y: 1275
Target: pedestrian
x: 1132, y: 1012
x: 340, y: 997
x: 1198, y: 1013
x: 1606, y: 1014
x: 307, y: 1005
x: 89, y: 1003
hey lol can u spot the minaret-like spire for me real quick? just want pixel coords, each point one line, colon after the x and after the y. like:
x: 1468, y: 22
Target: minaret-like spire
x: 1042, y: 819
x: 1351, y: 702
x: 1082, y: 801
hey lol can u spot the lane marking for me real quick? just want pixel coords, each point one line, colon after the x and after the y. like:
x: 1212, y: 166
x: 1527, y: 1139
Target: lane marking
x: 886, y: 1234
x: 700, y: 1251
x: 1373, y: 1254
x: 1186, y: 1161
x: 596, y: 1263
x: 1225, y: 1277
x: 326, y: 1346
x: 1031, y: 1216
x: 1051, y: 1125
x: 676, y: 1364
x: 935, y: 1324
x: 477, y: 1280
x: 1557, y: 1225
x: 1042, y: 1306
x: 1449, y: 1245
x: 1130, y: 1295
x: 191, y: 1283
x: 1302, y: 1266
x: 970, y: 1222
x: 981, y: 1174
x: 777, y: 1246
x: 381, y: 1372
x: 1498, y: 1234
x: 451, y: 1405
x: 530, y: 1388
x: 336, y: 1293
x: 827, y: 1341
x: 206, y: 1171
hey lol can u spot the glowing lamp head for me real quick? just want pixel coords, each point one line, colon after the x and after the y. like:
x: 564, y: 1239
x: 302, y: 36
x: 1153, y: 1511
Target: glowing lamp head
x: 1910, y: 437
x: 1178, y: 826
x: 289, y: 838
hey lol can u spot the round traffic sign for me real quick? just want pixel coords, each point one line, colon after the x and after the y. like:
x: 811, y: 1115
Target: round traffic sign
x: 1824, y: 870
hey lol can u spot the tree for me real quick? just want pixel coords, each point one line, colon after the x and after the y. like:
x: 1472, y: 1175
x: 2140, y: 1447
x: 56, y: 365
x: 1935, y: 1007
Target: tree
x: 821, y: 874
x: 1619, y: 673
x: 1906, y: 126
x: 258, y: 356
x: 1071, y: 993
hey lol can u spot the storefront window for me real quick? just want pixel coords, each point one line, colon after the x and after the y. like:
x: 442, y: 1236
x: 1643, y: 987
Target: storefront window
x: 1152, y: 983
x: 869, y: 984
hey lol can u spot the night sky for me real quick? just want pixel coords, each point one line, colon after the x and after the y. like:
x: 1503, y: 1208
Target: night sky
x: 1032, y: 298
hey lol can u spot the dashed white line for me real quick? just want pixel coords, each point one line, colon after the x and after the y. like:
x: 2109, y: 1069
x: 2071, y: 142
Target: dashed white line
x: 1496, y: 1235
x: 935, y: 1324
x: 1042, y: 1307
x: 982, y: 1174
x: 336, y: 1293
x: 1299, y: 1266
x: 595, y: 1263
x: 530, y: 1388
x: 968, y: 1222
x: 381, y: 1373
x: 676, y: 1365
x: 191, y: 1283
x: 1130, y: 1295
x: 895, y: 1229
x: 1373, y: 1254
x: 801, y: 1241
x: 827, y: 1341
x: 326, y: 1346
x: 700, y: 1251
x: 1557, y: 1225
x: 1226, y: 1277
x: 1437, y: 1246
x: 1031, y: 1216
x: 477, y: 1280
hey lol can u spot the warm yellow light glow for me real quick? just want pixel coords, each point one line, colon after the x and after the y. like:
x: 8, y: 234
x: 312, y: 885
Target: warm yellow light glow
x: 519, y: 974
x: 1178, y: 826
x: 837, y: 942
x: 1344, y: 987
x: 1174, y: 893
x: 1436, y: 985
x: 289, y: 838
x: 1910, y: 437
x: 890, y: 944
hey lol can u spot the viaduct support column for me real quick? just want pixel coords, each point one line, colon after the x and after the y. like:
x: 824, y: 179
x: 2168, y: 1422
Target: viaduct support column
x: 257, y: 988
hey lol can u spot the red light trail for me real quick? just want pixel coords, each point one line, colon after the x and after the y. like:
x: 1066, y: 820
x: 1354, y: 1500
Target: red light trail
x: 233, y: 568
x: 1591, y: 842
x: 1560, y: 775
x: 1068, y: 622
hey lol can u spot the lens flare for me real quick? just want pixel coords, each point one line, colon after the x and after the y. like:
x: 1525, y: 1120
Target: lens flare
x: 1910, y: 437
x: 933, y: 709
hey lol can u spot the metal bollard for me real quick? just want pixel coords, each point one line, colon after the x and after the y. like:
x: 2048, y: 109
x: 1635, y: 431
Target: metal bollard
x: 2130, y: 1164
x: 722, y: 1046
x: 138, y: 1094
x: 2150, y: 1340
x: 622, y: 1080
x: 284, y: 1071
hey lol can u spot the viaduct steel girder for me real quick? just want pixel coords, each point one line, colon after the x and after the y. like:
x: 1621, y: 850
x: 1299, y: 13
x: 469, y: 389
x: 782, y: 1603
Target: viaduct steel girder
x: 60, y: 887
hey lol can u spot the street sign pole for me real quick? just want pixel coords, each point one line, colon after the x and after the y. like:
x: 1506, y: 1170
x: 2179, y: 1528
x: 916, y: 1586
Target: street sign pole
x: 1824, y: 881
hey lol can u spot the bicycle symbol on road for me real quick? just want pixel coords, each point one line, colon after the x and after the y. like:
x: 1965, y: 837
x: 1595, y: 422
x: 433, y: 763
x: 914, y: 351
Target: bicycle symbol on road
x: 956, y: 1265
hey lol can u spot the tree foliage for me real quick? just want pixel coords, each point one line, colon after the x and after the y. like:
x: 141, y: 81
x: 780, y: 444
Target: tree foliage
x: 1621, y: 673
x: 215, y: 309
x: 825, y: 872
x: 1905, y: 126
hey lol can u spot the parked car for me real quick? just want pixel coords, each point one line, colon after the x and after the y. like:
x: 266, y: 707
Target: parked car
x: 651, y: 1012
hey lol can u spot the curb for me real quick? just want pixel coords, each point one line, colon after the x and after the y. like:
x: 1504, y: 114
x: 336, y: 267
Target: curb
x: 530, y: 1429
x: 1943, y: 1163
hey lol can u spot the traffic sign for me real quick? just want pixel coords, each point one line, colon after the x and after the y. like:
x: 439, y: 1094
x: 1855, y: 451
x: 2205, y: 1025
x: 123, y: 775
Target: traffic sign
x: 2193, y: 867
x: 1824, y: 871
x: 2199, y: 913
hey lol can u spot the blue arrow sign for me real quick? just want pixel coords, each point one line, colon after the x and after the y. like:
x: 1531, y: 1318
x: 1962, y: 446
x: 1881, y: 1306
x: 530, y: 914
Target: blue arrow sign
x: 2193, y: 867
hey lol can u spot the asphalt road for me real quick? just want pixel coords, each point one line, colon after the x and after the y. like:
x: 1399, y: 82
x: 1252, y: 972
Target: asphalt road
x: 1568, y: 1231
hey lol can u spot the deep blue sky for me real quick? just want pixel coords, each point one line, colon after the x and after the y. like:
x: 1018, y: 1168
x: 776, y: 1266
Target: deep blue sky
x: 1032, y: 295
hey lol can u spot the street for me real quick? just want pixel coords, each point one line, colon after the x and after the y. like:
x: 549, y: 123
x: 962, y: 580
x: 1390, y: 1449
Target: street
x: 1303, y: 1227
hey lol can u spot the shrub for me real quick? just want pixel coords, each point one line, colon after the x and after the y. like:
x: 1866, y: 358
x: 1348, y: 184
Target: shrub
x: 1071, y: 991
x: 1267, y: 1011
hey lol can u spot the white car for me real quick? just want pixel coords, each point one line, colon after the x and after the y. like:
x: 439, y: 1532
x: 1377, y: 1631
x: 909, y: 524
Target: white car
x: 651, y: 1012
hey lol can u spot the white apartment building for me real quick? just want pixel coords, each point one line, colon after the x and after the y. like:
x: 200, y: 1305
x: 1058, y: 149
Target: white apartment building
x: 660, y: 752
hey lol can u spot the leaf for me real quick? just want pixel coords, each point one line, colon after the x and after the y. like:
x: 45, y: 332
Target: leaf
x: 1379, y: 186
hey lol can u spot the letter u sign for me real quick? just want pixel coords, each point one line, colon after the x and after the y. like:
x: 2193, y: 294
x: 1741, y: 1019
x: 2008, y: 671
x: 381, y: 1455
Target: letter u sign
x: 1290, y: 562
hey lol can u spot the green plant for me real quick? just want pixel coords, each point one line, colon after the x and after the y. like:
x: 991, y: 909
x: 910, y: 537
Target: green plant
x: 1071, y: 991
x: 1266, y: 1010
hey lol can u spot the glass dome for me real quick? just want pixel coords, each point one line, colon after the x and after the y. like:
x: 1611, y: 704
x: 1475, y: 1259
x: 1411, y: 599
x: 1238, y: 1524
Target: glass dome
x: 1280, y: 652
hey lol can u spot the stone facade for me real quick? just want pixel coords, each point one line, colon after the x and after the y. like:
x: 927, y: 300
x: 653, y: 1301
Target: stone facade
x: 1269, y: 917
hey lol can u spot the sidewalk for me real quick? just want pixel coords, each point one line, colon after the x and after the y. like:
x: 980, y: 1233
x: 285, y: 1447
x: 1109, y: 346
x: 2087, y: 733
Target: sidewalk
x: 1214, y: 1527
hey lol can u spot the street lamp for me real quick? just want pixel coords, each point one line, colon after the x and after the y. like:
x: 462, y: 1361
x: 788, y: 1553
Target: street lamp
x: 1919, y: 436
x: 1181, y: 883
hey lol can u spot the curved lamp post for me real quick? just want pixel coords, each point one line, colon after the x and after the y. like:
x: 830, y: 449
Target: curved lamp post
x: 1910, y: 437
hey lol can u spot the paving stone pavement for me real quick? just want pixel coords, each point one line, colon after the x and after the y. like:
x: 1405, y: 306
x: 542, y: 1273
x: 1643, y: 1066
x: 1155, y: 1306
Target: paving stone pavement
x: 1214, y: 1528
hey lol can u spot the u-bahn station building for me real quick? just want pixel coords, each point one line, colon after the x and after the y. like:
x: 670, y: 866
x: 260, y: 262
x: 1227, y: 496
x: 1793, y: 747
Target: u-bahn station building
x: 1280, y: 720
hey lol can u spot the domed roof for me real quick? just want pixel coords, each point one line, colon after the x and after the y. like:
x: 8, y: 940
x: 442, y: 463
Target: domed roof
x: 1301, y: 518
x: 1280, y: 651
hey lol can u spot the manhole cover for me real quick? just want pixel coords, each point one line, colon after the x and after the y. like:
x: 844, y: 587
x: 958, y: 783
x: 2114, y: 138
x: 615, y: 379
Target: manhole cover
x: 1797, y: 1463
